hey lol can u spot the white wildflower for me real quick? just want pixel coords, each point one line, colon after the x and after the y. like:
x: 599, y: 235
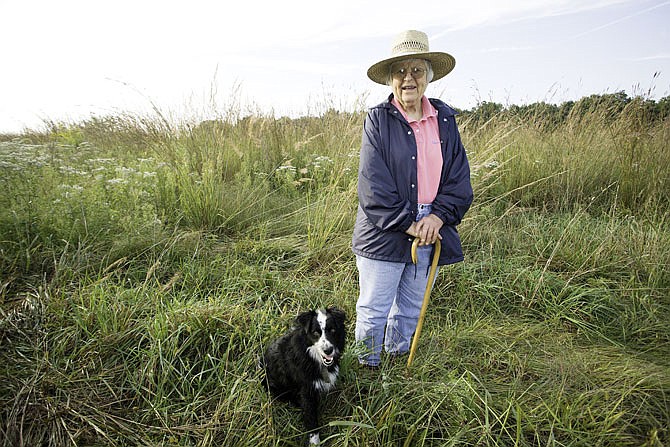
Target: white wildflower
x: 117, y: 181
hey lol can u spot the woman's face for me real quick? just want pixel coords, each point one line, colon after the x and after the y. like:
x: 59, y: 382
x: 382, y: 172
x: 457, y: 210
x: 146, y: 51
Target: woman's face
x: 409, y: 81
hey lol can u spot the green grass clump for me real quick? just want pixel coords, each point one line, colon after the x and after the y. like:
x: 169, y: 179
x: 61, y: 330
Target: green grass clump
x: 145, y: 263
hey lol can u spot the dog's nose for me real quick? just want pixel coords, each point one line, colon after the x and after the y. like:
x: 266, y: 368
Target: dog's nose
x: 328, y: 350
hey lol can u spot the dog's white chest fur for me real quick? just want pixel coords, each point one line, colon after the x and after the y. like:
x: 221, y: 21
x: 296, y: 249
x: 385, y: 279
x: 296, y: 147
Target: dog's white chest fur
x: 327, y: 383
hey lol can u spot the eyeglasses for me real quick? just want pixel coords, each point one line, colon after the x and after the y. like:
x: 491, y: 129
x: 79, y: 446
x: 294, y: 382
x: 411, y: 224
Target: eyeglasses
x: 416, y: 72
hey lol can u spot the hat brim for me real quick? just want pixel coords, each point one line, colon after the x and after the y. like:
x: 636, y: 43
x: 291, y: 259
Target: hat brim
x: 442, y: 64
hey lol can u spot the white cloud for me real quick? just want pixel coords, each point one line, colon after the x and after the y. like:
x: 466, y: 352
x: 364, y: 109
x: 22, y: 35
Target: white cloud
x: 652, y: 57
x: 481, y: 12
x: 506, y: 49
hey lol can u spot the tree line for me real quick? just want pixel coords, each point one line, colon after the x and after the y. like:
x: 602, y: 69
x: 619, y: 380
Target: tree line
x: 609, y: 107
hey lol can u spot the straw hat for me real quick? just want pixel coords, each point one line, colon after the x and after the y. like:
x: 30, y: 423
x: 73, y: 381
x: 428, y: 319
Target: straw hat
x: 412, y: 45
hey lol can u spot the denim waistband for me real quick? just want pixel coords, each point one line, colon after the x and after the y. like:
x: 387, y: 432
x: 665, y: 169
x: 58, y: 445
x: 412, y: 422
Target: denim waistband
x: 423, y: 209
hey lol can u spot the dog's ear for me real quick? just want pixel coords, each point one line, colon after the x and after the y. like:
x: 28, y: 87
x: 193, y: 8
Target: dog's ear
x: 304, y: 320
x: 338, y: 314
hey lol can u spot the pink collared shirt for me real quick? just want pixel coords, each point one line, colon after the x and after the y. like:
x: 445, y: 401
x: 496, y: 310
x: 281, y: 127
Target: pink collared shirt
x: 429, y: 152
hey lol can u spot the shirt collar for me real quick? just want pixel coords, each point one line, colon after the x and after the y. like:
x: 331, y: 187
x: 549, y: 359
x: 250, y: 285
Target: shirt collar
x: 427, y: 108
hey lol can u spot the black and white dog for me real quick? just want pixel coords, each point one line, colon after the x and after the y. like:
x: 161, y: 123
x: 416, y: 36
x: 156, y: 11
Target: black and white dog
x: 304, y: 363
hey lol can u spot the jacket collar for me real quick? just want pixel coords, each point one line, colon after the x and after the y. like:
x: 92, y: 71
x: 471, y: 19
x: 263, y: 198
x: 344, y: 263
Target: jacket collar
x: 442, y: 108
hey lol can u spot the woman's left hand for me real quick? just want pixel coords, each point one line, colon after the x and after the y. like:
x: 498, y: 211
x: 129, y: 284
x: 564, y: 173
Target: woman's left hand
x: 428, y: 229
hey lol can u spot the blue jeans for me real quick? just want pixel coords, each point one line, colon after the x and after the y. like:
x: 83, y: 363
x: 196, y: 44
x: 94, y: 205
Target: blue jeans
x: 389, y: 302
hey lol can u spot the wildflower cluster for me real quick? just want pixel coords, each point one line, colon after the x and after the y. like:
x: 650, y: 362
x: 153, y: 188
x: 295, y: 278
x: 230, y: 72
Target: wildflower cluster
x: 298, y: 174
x: 71, y: 182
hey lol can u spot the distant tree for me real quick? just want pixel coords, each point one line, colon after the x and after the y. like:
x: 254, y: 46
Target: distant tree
x: 565, y: 109
x: 608, y: 106
x: 663, y: 108
x: 486, y: 110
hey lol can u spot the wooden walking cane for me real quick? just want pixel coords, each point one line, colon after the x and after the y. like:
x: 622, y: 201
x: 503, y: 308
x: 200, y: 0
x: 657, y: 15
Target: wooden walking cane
x: 426, y: 295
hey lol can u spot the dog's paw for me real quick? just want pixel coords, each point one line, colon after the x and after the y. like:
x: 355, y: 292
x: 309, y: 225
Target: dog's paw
x: 314, y: 439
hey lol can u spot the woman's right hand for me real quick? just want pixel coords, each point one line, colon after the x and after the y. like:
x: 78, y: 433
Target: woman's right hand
x: 428, y: 229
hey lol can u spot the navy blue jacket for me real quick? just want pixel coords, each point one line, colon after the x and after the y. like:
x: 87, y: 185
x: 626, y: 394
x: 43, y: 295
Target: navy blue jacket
x: 387, y: 178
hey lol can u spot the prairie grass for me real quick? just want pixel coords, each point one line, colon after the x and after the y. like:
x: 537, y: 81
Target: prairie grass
x: 145, y: 263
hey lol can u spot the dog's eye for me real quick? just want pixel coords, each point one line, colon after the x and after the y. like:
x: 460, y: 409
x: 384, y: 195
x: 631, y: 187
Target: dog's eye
x: 316, y: 333
x: 332, y: 330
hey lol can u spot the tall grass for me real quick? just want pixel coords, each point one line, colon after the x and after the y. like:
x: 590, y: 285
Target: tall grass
x: 593, y: 161
x: 145, y: 263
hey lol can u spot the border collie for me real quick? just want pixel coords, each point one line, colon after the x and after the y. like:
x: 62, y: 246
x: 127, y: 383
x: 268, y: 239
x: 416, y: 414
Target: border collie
x: 304, y: 363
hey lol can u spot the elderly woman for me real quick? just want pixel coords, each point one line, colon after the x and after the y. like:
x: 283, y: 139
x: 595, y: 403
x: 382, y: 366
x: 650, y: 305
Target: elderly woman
x: 413, y: 181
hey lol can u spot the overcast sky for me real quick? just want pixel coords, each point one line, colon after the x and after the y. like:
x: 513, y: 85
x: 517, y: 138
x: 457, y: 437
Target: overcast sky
x: 67, y: 60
